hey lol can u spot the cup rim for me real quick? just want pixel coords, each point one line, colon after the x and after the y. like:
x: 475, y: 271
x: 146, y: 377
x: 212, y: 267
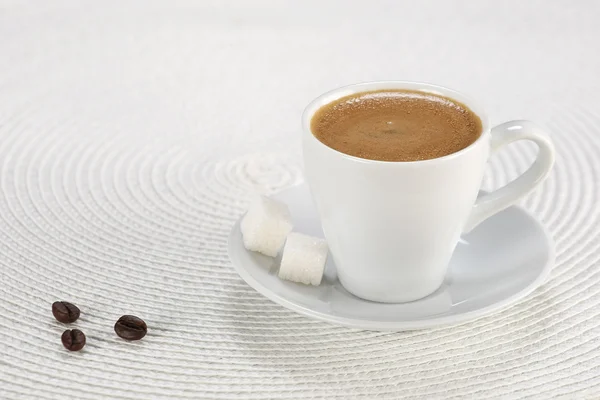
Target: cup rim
x: 347, y: 90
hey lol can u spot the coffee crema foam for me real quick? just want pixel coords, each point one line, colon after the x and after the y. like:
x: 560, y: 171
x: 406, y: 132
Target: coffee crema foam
x: 396, y: 125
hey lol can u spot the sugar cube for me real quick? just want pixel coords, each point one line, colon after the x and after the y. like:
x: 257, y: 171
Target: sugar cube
x: 266, y: 225
x: 303, y: 259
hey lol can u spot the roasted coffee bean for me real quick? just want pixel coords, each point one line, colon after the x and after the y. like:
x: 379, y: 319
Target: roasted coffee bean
x: 65, y: 312
x: 131, y: 328
x: 73, y: 340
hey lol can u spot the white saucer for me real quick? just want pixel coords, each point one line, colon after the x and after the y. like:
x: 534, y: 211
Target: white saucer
x: 497, y: 264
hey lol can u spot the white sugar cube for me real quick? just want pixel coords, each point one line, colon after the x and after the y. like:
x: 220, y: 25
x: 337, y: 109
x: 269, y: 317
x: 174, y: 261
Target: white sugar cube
x: 266, y: 225
x: 303, y: 259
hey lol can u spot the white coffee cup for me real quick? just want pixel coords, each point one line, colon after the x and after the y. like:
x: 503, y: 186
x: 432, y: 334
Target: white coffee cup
x: 392, y: 226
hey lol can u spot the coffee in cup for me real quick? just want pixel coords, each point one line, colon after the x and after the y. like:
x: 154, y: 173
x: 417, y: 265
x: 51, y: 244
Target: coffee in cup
x: 396, y: 125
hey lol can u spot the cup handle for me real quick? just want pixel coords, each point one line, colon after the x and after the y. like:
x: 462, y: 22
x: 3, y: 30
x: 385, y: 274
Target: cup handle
x: 496, y: 201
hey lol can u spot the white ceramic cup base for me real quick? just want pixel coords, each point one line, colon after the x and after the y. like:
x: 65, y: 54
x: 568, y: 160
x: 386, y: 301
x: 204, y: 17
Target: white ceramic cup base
x: 499, y: 263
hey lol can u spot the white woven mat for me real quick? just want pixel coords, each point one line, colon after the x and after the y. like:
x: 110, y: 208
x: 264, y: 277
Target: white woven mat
x: 132, y: 132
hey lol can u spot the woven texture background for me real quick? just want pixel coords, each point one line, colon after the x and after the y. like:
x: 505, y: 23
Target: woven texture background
x: 132, y: 132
